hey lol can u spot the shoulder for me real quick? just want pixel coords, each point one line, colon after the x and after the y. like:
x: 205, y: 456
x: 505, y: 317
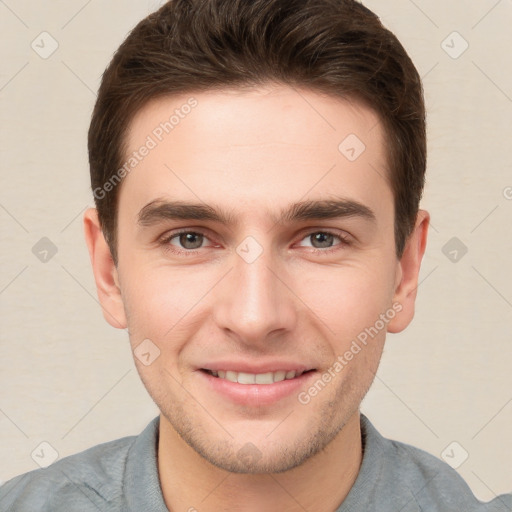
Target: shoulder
x: 83, y: 481
x: 428, y: 482
x: 438, y: 484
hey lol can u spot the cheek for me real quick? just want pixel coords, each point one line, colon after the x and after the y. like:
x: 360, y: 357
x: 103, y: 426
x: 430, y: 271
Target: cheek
x: 156, y: 301
x: 347, y: 299
x: 167, y: 305
x: 162, y: 302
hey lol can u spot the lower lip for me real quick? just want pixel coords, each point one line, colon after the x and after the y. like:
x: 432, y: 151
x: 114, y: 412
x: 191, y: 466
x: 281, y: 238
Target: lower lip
x: 257, y: 394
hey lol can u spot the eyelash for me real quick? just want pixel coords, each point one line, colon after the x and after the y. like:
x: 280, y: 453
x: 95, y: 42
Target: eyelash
x: 165, y: 242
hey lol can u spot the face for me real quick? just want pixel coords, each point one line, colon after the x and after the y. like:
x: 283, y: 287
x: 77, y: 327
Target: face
x: 256, y: 252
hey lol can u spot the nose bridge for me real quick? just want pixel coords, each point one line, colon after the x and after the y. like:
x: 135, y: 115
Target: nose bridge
x: 253, y: 301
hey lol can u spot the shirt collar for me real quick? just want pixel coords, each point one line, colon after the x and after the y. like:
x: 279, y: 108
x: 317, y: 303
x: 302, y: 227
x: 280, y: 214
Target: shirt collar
x: 142, y: 488
x: 141, y: 484
x: 374, y: 480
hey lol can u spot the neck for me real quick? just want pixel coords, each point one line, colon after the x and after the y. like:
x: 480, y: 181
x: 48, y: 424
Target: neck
x: 191, y: 483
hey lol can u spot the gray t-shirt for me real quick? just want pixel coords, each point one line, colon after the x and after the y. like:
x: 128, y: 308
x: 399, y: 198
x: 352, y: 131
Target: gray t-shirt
x: 122, y: 476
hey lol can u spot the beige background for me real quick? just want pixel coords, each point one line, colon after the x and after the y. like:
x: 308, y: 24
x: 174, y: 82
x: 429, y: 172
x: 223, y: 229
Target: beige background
x: 67, y: 378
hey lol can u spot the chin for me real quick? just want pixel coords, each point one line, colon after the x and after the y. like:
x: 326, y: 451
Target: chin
x: 257, y: 454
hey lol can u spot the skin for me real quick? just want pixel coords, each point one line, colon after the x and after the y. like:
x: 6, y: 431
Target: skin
x: 252, y: 153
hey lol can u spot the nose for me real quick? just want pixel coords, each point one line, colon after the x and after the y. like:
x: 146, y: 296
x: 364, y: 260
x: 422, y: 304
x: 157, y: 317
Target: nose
x: 254, y: 304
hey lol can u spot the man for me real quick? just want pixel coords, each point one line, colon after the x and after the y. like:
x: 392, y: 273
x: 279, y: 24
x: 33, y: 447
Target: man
x: 257, y: 169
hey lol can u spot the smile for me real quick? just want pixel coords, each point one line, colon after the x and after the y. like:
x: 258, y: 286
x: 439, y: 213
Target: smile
x: 255, y: 378
x: 259, y: 387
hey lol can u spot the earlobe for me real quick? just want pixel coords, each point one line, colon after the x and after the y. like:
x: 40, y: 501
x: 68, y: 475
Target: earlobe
x: 105, y: 272
x: 408, y: 273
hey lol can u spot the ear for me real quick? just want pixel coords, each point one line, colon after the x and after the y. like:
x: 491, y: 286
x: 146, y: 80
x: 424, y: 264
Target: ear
x: 406, y: 283
x: 105, y: 272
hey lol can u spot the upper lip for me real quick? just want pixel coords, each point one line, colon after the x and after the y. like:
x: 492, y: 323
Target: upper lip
x: 256, y: 367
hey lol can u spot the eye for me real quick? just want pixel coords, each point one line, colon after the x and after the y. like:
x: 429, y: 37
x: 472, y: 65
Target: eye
x: 324, y: 241
x: 183, y: 242
x: 190, y: 240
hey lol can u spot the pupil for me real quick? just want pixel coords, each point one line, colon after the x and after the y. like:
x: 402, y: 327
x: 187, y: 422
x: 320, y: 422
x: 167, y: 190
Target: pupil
x: 324, y: 239
x: 188, y: 238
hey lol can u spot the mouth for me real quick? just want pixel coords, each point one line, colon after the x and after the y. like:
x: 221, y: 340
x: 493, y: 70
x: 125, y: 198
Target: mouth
x: 266, y: 378
x: 255, y: 383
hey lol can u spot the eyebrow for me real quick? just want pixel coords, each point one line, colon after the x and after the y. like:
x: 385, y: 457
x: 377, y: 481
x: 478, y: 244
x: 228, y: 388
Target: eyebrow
x: 160, y: 210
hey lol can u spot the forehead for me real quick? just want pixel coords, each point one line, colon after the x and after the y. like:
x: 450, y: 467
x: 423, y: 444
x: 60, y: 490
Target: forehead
x: 258, y: 145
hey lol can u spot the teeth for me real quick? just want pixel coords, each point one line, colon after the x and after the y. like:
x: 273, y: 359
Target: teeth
x: 246, y: 378
x: 279, y: 376
x: 264, y: 378
x: 232, y: 376
x: 256, y: 378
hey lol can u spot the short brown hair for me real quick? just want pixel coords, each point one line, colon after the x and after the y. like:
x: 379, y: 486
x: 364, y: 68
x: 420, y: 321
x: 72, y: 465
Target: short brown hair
x: 338, y: 47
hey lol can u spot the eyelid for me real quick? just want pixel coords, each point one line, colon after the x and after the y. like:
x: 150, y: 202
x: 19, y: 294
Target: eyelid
x: 344, y: 237
x: 166, y: 237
